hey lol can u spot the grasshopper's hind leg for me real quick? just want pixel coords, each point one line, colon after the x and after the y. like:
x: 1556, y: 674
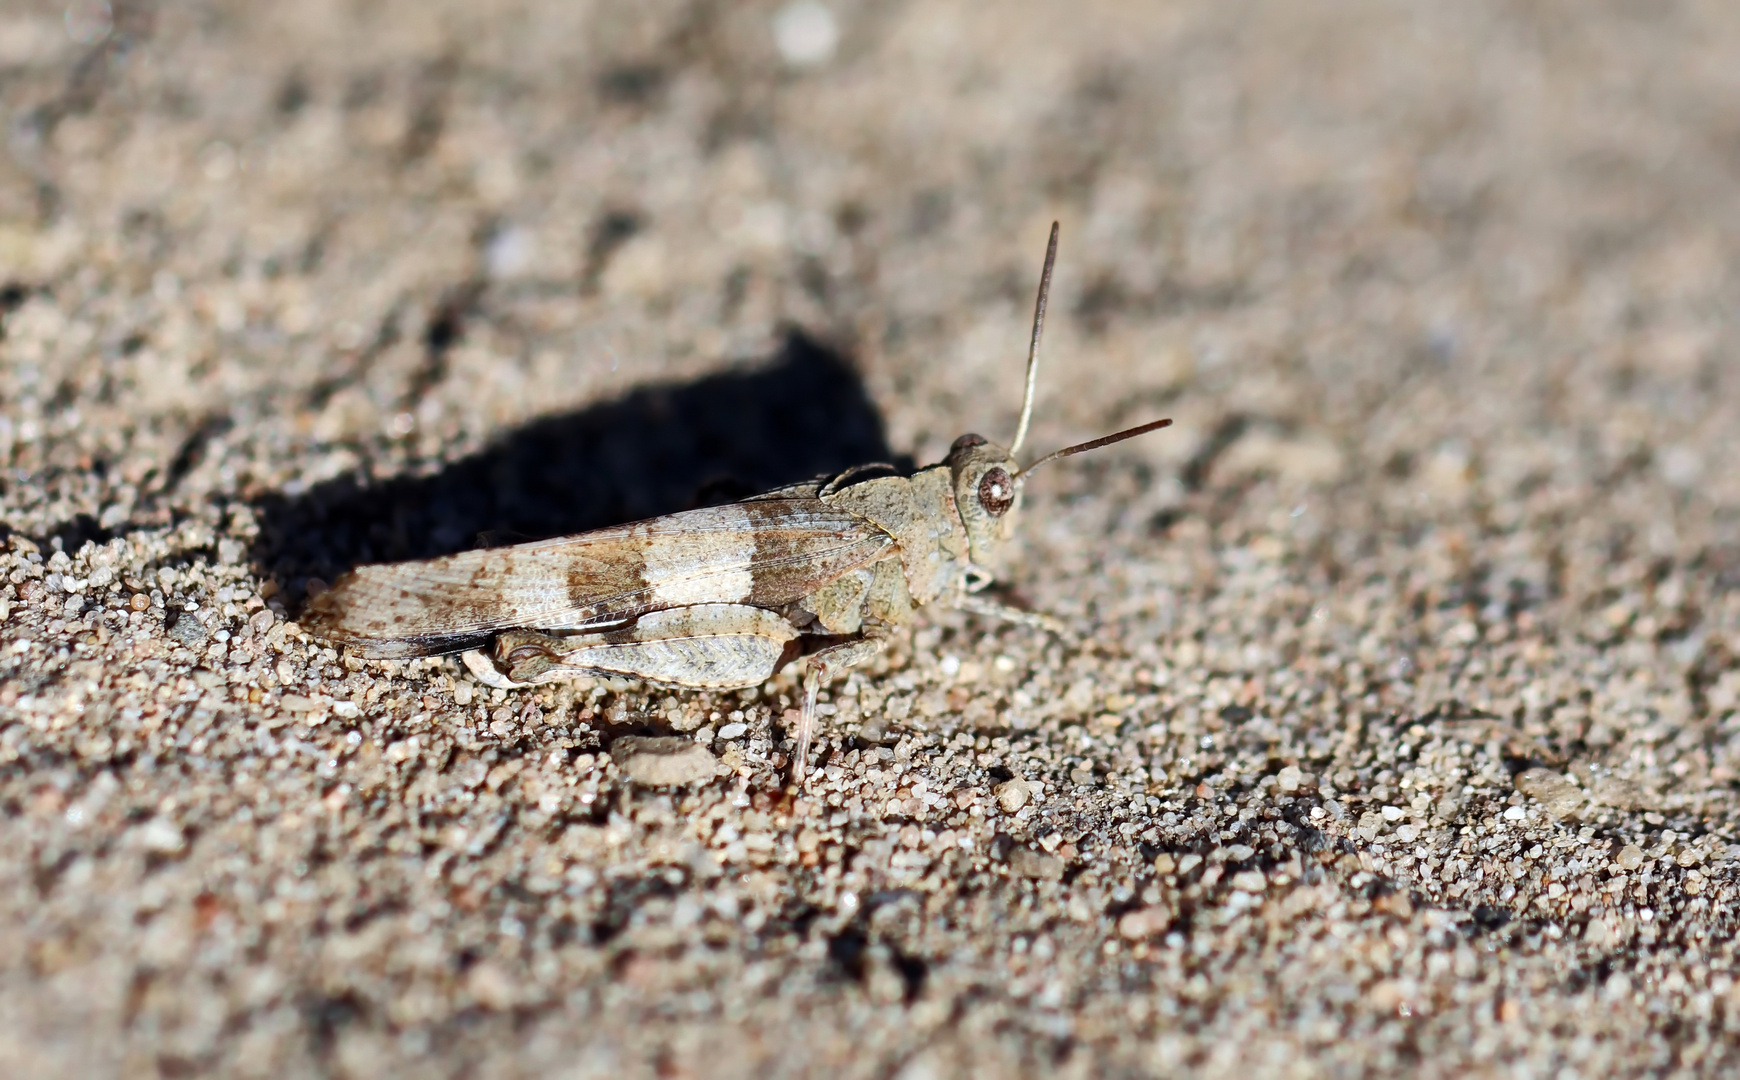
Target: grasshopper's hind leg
x: 699, y: 647
x: 487, y: 672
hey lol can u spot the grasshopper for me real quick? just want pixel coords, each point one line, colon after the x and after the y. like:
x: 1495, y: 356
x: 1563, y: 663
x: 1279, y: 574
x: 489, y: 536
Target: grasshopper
x: 719, y: 598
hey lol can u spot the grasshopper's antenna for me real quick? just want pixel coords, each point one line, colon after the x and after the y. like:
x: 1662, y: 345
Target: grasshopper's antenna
x: 1033, y: 346
x: 1093, y: 444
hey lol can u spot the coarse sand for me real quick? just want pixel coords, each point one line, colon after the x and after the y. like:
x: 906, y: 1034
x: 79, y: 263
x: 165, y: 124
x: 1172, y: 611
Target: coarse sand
x: 1395, y: 728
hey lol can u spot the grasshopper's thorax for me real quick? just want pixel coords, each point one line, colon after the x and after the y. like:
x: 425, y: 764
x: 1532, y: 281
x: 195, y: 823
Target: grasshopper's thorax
x: 986, y: 495
x: 948, y: 521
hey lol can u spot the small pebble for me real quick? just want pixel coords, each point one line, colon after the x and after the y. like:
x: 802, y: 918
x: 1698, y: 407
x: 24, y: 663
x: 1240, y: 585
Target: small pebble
x: 1558, y: 796
x: 1621, y: 794
x: 161, y: 837
x: 1012, y: 795
x: 189, y: 631
x: 664, y: 761
x: 1037, y: 865
x: 806, y: 33
x: 1251, y: 881
x: 1145, y: 923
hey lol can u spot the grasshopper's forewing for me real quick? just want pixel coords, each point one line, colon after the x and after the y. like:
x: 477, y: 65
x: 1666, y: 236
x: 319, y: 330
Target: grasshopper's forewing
x: 768, y: 552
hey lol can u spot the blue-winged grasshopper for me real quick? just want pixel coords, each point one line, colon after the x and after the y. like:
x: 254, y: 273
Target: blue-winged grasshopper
x: 719, y: 598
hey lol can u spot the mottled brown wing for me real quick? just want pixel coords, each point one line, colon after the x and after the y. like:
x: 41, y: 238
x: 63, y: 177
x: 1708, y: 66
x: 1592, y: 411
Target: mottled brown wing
x: 765, y: 552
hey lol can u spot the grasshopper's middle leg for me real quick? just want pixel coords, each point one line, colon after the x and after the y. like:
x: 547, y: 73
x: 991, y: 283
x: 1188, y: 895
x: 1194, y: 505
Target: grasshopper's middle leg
x: 825, y: 666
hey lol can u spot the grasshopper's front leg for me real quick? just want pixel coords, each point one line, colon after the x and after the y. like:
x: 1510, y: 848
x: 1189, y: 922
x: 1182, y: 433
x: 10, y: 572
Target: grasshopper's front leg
x: 984, y: 605
x: 699, y: 647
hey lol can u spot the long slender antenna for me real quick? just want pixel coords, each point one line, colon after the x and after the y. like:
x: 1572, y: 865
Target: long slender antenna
x: 1093, y: 444
x: 1033, y: 346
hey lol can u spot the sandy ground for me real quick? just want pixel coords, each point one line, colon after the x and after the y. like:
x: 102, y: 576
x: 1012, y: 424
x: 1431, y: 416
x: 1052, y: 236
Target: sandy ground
x: 1397, y: 725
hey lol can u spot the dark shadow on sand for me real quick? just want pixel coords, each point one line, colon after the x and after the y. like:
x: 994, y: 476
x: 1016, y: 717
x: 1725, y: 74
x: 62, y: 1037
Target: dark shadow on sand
x: 660, y: 449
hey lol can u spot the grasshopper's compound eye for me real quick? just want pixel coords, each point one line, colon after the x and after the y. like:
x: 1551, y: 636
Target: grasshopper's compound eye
x: 996, y: 492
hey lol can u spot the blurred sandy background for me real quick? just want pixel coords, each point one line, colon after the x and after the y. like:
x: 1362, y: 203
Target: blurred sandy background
x: 1400, y: 731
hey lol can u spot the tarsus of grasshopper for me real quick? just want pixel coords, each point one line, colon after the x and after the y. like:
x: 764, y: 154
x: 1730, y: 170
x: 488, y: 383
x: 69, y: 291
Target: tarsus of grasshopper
x: 806, y: 727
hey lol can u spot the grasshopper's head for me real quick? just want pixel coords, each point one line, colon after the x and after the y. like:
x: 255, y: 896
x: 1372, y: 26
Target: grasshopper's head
x: 987, y: 479
x: 986, y: 494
